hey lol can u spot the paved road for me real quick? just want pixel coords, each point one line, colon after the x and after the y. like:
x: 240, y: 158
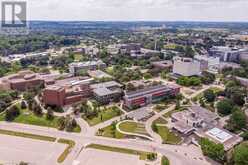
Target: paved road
x: 149, y: 122
x: 175, y: 153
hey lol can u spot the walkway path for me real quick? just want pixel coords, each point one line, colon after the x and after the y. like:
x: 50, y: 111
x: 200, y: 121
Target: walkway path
x: 130, y: 133
x: 149, y: 122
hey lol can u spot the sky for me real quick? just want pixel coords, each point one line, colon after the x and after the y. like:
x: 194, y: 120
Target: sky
x: 138, y: 10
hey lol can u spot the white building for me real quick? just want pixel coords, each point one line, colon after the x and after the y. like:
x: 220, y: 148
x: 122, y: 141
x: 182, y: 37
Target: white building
x: 77, y: 67
x: 186, y: 66
x: 208, y: 63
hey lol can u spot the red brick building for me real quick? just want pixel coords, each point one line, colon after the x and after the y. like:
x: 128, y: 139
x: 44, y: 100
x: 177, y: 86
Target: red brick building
x: 67, y: 91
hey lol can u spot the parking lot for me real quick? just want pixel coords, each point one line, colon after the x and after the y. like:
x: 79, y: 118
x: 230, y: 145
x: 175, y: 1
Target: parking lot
x: 16, y: 149
x: 98, y: 157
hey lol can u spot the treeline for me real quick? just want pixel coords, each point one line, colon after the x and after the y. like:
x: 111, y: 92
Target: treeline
x: 33, y: 42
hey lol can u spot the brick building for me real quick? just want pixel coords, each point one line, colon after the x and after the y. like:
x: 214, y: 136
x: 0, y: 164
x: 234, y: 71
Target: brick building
x: 67, y: 91
x: 149, y: 95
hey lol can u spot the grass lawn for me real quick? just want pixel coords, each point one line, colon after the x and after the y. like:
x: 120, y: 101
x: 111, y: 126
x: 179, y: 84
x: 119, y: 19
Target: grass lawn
x: 133, y: 127
x: 78, y: 57
x: 160, y: 121
x: 111, y: 133
x: 160, y: 107
x: 167, y: 136
x: 168, y: 114
x: 27, y: 135
x: 27, y: 117
x: 107, y: 114
x: 66, y: 152
x: 142, y: 154
x: 165, y: 161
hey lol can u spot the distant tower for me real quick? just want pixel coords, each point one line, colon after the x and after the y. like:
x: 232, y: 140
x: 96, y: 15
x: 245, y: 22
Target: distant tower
x: 155, y: 46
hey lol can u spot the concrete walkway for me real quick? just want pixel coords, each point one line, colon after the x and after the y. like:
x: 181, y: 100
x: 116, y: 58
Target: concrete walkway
x: 149, y: 122
x: 130, y: 133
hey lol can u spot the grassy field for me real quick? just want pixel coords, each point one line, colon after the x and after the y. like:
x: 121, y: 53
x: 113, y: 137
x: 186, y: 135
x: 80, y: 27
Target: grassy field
x: 78, y: 57
x: 160, y: 107
x: 104, y: 115
x: 27, y: 135
x: 168, y: 136
x: 133, y: 127
x: 142, y: 154
x: 111, y: 133
x: 66, y: 152
x: 27, y: 117
x: 160, y: 121
x: 165, y: 161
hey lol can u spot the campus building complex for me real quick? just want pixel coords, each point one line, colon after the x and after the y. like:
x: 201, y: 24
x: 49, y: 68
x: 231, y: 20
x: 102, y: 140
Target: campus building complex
x: 67, y: 91
x: 79, y: 67
x: 149, y: 95
x: 200, y: 122
x: 107, y: 92
x: 186, y: 67
x: 25, y: 80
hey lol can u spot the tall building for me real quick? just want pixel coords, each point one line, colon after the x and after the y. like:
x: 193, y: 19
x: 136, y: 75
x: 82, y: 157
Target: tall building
x: 186, y: 66
x: 227, y: 54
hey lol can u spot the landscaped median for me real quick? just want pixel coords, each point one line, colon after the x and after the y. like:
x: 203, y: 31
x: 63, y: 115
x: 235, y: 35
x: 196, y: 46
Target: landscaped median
x: 142, y: 154
x: 165, y: 161
x: 133, y: 128
x: 68, y: 149
x: 27, y: 135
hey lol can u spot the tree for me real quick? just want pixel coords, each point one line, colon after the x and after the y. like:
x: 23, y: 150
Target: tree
x: 245, y: 135
x: 12, y: 113
x: 225, y: 107
x: 212, y: 150
x: 37, y: 110
x: 130, y: 87
x: 61, y: 123
x: 23, y: 105
x: 237, y: 120
x: 49, y: 114
x: 241, y: 154
x: 209, y: 95
x: 189, y: 52
x: 207, y: 78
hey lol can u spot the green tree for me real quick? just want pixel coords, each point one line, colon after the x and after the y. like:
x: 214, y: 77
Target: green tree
x: 241, y: 154
x: 212, y: 150
x: 12, y: 113
x: 209, y: 95
x: 225, y: 107
x: 189, y: 52
x: 49, y: 114
x: 237, y: 120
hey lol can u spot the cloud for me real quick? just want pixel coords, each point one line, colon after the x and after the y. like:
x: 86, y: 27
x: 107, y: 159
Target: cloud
x: 225, y: 10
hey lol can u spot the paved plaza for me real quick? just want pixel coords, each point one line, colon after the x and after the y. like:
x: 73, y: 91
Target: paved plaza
x: 16, y: 149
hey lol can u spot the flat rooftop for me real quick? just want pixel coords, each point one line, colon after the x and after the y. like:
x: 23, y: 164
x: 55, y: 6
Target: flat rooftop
x: 108, y: 84
x: 219, y: 135
x: 98, y: 74
x: 147, y: 90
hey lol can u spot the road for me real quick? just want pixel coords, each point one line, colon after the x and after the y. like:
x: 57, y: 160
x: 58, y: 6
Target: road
x: 175, y: 153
